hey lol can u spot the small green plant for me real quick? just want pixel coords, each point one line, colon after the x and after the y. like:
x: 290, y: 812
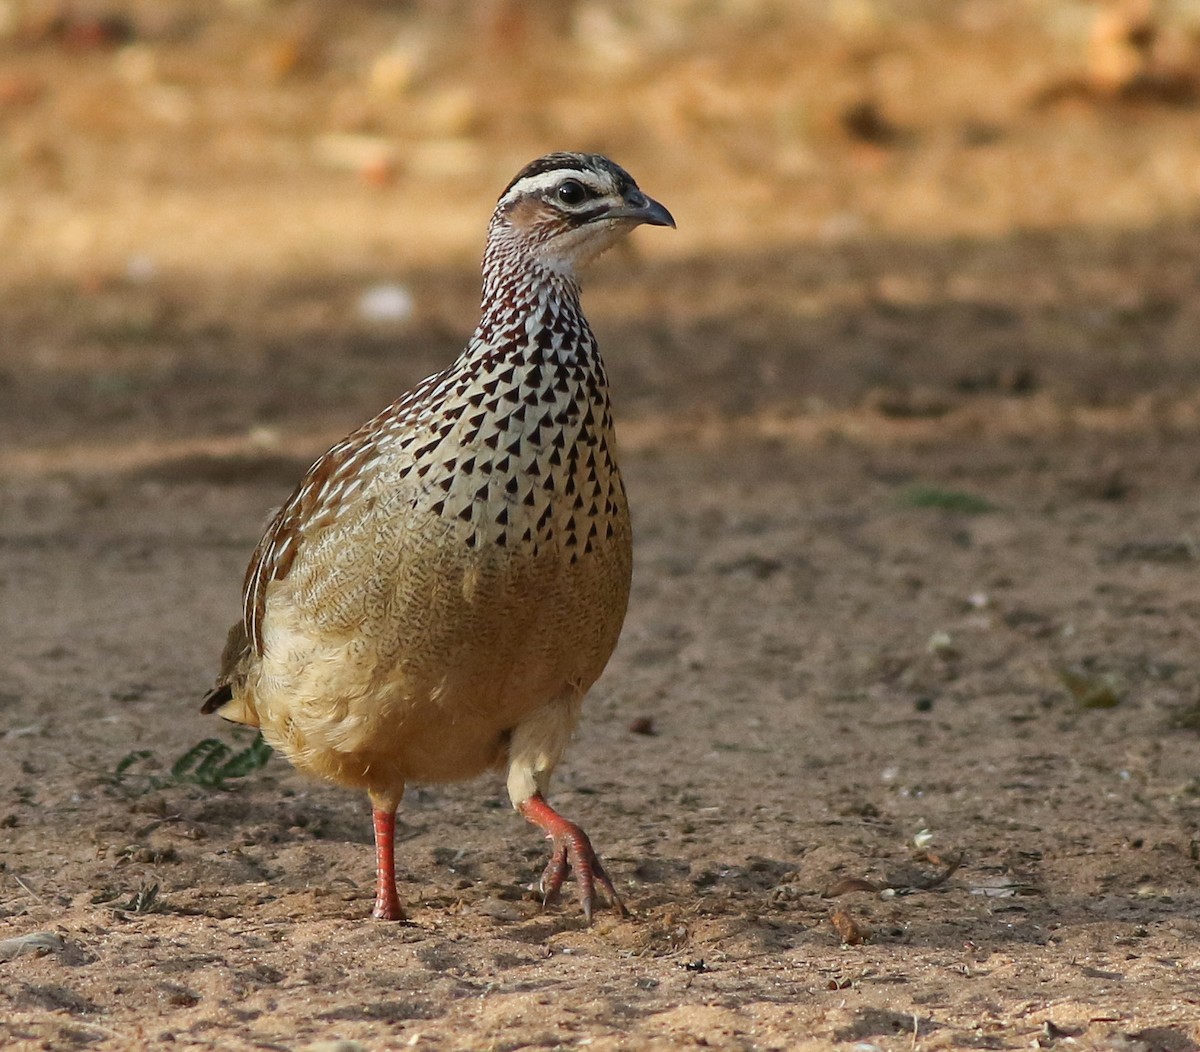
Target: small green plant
x: 209, y: 763
x: 944, y: 500
x: 1092, y: 690
x: 144, y: 900
x: 1186, y: 717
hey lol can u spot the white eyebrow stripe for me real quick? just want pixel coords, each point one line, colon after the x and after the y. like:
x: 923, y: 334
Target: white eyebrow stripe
x: 533, y: 184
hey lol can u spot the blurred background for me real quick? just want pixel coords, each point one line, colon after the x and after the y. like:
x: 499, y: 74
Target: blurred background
x: 248, y: 219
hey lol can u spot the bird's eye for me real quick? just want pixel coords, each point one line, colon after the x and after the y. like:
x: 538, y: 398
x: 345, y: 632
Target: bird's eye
x: 572, y: 192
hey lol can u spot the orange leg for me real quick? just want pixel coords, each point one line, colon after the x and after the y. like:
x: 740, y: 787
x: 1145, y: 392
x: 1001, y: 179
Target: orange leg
x: 571, y: 850
x: 387, y: 901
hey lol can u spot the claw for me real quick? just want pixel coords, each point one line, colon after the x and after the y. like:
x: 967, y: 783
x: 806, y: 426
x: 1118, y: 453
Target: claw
x: 572, y: 851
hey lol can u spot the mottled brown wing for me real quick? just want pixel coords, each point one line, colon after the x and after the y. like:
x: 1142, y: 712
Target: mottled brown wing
x: 311, y: 507
x: 307, y: 509
x: 315, y: 502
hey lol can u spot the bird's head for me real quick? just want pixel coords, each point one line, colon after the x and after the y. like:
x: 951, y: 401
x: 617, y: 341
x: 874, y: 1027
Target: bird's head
x: 564, y: 209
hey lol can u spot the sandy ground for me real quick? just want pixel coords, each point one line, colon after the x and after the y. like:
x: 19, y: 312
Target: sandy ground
x: 915, y: 613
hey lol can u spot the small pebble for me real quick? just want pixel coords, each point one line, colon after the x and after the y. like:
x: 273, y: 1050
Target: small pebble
x: 386, y: 303
x: 141, y: 269
x: 39, y: 943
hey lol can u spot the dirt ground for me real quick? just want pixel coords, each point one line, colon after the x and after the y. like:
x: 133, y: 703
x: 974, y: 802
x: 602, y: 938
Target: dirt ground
x: 901, y: 745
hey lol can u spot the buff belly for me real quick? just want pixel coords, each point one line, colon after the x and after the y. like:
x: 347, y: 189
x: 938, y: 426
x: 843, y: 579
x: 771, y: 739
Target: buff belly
x: 422, y: 668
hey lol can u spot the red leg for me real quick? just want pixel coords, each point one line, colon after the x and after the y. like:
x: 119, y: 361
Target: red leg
x: 387, y: 901
x: 571, y: 850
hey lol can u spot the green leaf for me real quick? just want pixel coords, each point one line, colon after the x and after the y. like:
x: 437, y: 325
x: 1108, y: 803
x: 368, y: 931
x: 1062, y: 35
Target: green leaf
x: 944, y: 500
x: 128, y: 761
x: 250, y: 759
x: 194, y: 760
x: 209, y: 763
x: 1092, y: 691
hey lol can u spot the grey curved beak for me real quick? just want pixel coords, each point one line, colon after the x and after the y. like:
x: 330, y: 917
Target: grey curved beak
x: 642, y: 209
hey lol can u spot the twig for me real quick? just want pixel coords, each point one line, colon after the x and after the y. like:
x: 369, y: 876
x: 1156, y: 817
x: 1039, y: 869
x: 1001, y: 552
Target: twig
x: 26, y: 888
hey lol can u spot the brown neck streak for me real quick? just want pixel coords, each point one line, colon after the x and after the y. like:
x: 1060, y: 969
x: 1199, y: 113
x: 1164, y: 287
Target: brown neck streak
x: 527, y: 303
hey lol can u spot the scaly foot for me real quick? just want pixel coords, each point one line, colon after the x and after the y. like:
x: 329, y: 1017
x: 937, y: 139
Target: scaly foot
x: 571, y: 851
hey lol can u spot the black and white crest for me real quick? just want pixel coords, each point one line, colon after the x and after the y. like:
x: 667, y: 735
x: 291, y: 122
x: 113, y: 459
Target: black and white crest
x: 605, y: 176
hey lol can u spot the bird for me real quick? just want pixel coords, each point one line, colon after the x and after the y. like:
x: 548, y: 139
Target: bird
x: 444, y: 585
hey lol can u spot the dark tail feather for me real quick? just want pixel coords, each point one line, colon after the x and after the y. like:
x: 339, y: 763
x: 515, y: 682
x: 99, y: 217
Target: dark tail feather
x: 234, y: 660
x: 217, y: 697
